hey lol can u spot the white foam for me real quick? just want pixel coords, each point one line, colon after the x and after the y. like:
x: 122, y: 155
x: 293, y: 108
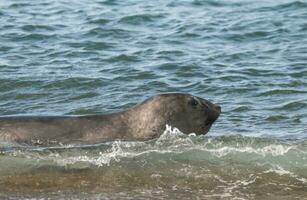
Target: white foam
x: 170, y: 132
x: 273, y: 150
x: 173, y: 137
x: 174, y: 141
x: 281, y: 171
x: 104, y: 158
x: 116, y: 153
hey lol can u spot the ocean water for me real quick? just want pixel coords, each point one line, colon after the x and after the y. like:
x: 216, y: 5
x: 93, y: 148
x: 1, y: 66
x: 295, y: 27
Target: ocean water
x: 62, y: 57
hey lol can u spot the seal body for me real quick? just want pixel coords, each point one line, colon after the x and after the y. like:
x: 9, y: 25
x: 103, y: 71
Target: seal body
x: 146, y: 120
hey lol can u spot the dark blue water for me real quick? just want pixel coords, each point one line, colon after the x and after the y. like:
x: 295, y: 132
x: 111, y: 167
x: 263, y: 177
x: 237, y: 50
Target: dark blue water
x: 84, y: 57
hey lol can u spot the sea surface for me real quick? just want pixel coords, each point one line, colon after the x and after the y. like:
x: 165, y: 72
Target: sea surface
x: 61, y: 57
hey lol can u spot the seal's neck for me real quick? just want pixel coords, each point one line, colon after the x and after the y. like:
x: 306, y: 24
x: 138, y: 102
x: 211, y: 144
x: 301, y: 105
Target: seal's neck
x: 140, y: 122
x: 144, y: 122
x: 99, y: 128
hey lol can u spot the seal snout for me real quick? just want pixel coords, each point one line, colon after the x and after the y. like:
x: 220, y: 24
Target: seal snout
x: 217, y: 111
x: 212, y: 106
x: 218, y: 108
x: 214, y: 114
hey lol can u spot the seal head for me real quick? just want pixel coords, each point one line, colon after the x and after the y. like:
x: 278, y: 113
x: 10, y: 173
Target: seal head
x: 188, y: 113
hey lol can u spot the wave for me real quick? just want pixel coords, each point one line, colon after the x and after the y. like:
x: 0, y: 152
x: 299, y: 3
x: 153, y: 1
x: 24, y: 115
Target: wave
x: 284, y: 6
x: 140, y: 18
x: 281, y: 92
x: 172, y: 143
x: 230, y: 166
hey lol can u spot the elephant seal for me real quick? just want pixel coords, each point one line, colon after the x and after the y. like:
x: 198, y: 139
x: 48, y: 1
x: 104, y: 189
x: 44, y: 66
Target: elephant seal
x: 146, y: 120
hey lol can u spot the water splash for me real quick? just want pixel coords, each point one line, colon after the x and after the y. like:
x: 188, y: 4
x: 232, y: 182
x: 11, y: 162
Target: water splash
x: 103, y: 158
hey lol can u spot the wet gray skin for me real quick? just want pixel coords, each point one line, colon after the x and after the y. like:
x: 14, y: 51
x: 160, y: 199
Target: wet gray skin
x: 147, y: 120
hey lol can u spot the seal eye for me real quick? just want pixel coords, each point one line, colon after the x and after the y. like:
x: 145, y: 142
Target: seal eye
x: 193, y: 102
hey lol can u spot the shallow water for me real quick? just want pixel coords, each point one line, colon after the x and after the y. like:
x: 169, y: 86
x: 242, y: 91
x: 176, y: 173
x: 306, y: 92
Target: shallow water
x: 173, y: 166
x: 79, y: 57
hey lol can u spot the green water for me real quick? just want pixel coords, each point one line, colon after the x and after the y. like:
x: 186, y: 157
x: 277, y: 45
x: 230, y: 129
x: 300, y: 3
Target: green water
x: 84, y: 57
